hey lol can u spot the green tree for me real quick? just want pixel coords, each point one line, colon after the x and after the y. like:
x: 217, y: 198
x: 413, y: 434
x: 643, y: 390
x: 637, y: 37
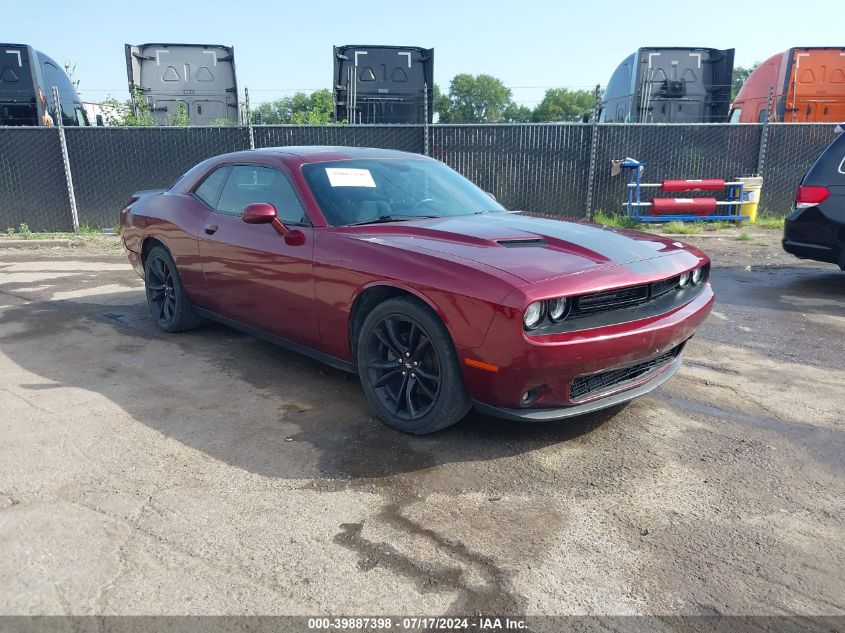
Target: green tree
x: 133, y: 112
x: 180, y: 118
x: 441, y: 102
x: 300, y: 108
x: 517, y: 114
x: 562, y: 104
x: 473, y: 99
x: 740, y: 74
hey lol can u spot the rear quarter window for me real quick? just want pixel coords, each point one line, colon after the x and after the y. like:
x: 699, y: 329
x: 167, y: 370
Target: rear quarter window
x: 210, y: 188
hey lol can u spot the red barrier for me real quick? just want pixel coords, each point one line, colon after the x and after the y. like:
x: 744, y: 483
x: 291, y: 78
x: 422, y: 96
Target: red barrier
x: 709, y: 184
x: 683, y: 206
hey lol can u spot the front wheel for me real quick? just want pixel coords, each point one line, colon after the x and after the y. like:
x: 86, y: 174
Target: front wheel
x: 409, y: 368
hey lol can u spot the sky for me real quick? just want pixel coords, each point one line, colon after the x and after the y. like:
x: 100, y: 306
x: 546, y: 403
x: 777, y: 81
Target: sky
x: 283, y: 47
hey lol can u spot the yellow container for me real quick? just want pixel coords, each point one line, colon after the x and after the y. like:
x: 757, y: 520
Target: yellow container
x: 752, y: 187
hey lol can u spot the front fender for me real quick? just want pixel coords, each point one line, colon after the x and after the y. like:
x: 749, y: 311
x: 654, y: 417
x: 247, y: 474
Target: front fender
x: 464, y: 298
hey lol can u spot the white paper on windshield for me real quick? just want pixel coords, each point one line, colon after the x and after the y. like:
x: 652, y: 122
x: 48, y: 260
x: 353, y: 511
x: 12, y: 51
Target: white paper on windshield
x: 347, y: 177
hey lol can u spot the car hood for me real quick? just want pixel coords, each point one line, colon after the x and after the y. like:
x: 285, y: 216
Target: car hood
x: 532, y: 249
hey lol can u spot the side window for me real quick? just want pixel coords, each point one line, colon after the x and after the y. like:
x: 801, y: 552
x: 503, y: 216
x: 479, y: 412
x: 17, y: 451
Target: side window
x: 763, y: 116
x: 735, y: 114
x: 254, y: 183
x: 54, y: 76
x: 210, y: 188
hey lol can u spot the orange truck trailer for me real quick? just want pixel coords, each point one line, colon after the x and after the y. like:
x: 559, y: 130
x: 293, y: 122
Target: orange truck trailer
x: 807, y: 84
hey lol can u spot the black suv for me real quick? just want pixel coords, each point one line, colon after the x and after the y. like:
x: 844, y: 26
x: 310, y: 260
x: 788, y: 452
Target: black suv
x: 816, y: 227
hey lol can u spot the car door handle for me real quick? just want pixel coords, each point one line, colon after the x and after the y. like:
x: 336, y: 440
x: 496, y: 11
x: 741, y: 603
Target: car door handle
x: 211, y: 229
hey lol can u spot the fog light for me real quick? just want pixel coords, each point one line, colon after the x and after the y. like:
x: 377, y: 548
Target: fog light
x: 684, y: 280
x: 530, y: 396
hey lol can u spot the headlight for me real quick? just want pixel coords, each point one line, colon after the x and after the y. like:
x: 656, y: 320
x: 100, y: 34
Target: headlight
x: 684, y: 280
x: 557, y: 308
x: 697, y: 276
x: 533, y: 315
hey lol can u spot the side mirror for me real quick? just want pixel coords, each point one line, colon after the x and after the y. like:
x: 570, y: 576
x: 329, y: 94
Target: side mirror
x: 259, y: 213
x: 265, y: 213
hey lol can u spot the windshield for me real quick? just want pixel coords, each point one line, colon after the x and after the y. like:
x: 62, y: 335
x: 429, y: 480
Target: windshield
x: 391, y: 190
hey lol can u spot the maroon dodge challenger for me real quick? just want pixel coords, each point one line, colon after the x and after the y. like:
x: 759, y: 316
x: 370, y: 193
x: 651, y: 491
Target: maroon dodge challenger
x: 395, y: 267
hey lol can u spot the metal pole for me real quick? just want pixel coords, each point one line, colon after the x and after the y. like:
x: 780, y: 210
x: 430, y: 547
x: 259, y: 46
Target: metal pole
x: 594, y: 131
x: 425, y: 120
x: 66, y: 161
x: 764, y: 134
x: 249, y: 119
x: 349, y: 95
x: 355, y: 93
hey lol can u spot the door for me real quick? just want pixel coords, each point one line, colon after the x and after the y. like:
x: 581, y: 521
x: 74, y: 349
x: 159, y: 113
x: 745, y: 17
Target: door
x: 252, y: 275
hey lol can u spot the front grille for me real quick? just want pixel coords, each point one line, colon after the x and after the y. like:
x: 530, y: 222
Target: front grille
x: 612, y: 299
x: 660, y: 288
x: 584, y: 386
x: 622, y: 305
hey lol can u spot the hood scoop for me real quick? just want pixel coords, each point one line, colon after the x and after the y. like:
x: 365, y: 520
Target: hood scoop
x: 520, y: 243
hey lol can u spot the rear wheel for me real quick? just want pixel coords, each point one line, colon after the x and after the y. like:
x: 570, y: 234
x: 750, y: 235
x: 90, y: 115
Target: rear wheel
x: 169, y: 303
x: 409, y: 368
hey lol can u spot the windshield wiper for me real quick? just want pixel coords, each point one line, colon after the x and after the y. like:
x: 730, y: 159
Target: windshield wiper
x: 393, y: 218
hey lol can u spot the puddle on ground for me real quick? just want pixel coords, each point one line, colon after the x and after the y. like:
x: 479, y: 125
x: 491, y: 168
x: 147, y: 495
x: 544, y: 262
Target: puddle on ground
x: 826, y: 445
x: 124, y: 318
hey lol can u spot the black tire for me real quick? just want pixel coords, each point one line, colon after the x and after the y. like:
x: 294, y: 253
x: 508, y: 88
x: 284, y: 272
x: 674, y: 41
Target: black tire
x: 409, y: 369
x: 169, y: 304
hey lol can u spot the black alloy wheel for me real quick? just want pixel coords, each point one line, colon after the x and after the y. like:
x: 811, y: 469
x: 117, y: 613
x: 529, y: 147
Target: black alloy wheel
x: 403, y: 367
x: 169, y: 304
x: 160, y: 293
x: 409, y: 368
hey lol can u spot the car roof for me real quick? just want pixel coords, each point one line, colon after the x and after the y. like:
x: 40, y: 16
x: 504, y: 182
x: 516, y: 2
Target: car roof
x: 323, y: 153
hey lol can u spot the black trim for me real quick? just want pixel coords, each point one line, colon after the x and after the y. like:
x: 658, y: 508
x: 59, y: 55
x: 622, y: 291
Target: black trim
x: 327, y: 359
x: 548, y: 415
x: 656, y: 306
x: 590, y: 385
x: 521, y: 243
x: 816, y: 252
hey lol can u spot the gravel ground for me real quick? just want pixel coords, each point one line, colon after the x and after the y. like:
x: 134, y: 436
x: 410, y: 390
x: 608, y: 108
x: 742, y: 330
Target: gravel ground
x: 209, y: 473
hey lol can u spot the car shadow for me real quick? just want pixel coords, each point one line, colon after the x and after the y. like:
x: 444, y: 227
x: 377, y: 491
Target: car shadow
x: 241, y: 400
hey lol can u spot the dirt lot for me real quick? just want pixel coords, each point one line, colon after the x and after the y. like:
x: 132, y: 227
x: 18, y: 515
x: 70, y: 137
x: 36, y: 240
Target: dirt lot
x: 211, y: 473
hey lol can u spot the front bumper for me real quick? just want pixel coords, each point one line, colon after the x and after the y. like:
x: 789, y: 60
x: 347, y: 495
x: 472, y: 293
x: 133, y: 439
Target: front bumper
x: 560, y: 413
x: 549, y: 366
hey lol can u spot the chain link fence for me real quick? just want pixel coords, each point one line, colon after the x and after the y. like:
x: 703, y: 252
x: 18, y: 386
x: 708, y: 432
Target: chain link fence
x: 529, y: 167
x: 672, y: 152
x: 791, y: 148
x: 33, y: 188
x: 108, y: 164
x: 559, y: 169
x: 407, y: 138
